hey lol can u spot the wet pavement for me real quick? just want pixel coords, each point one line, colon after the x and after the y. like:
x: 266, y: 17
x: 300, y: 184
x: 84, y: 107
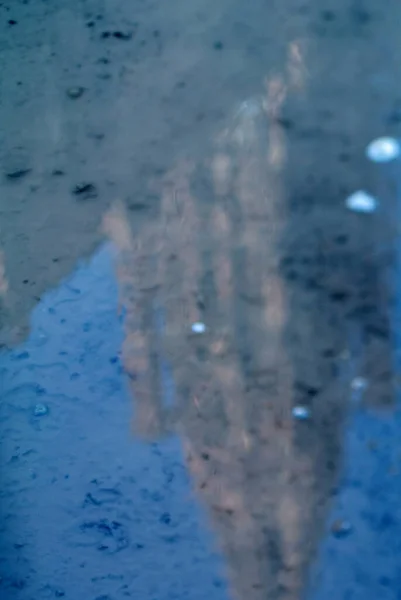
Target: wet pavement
x: 199, y: 300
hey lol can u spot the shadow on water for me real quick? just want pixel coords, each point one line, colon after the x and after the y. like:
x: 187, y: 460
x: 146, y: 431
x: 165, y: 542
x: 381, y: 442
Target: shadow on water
x: 292, y: 297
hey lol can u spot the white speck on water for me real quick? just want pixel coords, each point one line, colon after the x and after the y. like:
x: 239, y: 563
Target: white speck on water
x: 382, y: 150
x: 40, y: 410
x: 359, y: 384
x: 198, y: 327
x: 361, y: 202
x: 301, y: 413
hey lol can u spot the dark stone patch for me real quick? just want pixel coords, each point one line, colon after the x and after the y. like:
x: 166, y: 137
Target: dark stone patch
x: 90, y: 24
x: 291, y: 276
x: 287, y: 261
x: 218, y: 45
x: 171, y: 539
x: 12, y: 22
x: 339, y: 296
x: 378, y: 332
x: 18, y: 584
x: 58, y: 172
x: 312, y: 284
x: 386, y: 521
x: 165, y: 518
x: 330, y: 465
x: 394, y: 117
x: 285, y: 123
x: 85, y: 191
x: 122, y: 35
x: 21, y: 356
x: 360, y: 16
x: 96, y: 136
x: 365, y: 309
x: 91, y: 501
x: 109, y: 536
x: 328, y: 15
x: 17, y: 173
x: 306, y: 390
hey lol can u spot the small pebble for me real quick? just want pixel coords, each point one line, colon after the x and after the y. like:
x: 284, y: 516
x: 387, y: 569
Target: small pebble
x: 198, y: 327
x: 341, y: 528
x: 75, y: 92
x: 382, y: 150
x: 361, y: 202
x: 85, y: 190
x: 359, y: 384
x: 301, y: 413
x: 40, y: 410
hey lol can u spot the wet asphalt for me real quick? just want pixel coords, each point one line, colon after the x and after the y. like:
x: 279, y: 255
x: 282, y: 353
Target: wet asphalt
x: 199, y: 364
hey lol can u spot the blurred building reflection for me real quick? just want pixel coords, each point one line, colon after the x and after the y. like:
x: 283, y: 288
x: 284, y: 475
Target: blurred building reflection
x: 290, y: 291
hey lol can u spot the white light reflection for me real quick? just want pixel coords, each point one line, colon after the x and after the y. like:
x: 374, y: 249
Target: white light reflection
x: 361, y: 202
x: 198, y: 327
x: 382, y: 150
x: 301, y: 413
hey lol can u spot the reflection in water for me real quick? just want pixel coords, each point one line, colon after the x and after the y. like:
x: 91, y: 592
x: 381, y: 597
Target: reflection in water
x: 293, y: 313
x: 254, y: 241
